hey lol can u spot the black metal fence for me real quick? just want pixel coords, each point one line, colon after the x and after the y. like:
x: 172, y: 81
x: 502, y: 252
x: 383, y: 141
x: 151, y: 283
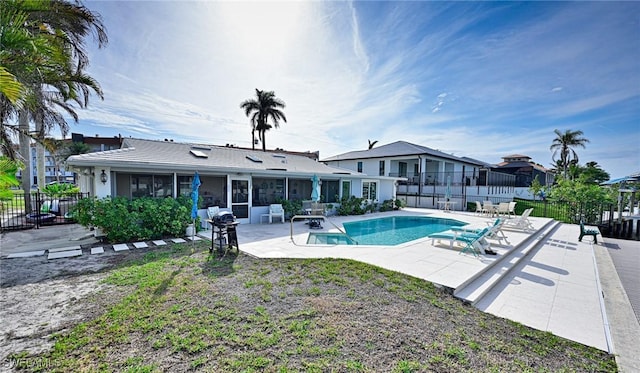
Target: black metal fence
x: 44, y: 210
x: 610, y: 222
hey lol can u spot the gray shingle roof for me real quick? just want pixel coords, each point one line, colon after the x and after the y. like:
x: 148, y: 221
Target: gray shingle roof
x: 171, y: 156
x: 398, y: 148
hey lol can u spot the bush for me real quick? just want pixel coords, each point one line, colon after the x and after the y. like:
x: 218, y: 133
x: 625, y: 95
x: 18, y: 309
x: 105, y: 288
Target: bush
x: 391, y: 204
x: 124, y: 220
x: 351, y: 206
x: 290, y: 207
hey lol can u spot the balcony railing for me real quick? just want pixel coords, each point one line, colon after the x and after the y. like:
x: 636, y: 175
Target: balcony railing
x: 481, y: 178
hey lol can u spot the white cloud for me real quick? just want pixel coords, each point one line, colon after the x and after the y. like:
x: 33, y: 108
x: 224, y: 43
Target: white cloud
x: 352, y: 71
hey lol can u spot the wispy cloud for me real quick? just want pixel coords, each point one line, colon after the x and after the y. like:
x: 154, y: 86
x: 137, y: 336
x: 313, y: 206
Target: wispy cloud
x: 478, y: 79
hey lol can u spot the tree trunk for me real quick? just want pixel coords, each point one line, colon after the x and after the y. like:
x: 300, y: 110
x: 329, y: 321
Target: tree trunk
x: 40, y: 158
x: 253, y: 139
x: 25, y: 154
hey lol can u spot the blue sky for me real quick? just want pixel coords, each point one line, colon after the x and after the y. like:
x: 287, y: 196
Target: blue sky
x: 476, y: 79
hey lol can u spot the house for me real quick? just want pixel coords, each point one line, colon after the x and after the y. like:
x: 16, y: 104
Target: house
x: 242, y: 181
x: 97, y: 143
x: 431, y: 175
x: 524, y: 170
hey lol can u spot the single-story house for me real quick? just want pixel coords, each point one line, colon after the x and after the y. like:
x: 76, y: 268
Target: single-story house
x: 239, y: 180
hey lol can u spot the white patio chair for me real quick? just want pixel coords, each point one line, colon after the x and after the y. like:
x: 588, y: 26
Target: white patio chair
x: 503, y: 208
x: 512, y: 209
x: 276, y: 211
x: 212, y: 211
x: 479, y: 208
x: 488, y: 208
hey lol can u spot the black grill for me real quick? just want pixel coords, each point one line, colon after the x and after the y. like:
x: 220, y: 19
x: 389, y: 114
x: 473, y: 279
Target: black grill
x: 223, y: 219
x: 224, y: 225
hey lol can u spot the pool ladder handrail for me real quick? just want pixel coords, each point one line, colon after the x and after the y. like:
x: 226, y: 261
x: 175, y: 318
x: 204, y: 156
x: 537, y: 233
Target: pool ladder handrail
x: 324, y: 218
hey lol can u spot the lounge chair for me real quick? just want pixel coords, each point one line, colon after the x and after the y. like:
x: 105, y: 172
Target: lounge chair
x: 521, y: 222
x: 276, y: 211
x: 495, y: 231
x: 474, y: 243
x: 588, y: 232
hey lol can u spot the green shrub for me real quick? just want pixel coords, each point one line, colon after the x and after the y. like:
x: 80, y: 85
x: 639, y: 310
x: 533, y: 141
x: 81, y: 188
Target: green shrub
x: 145, y: 218
x: 391, y: 204
x: 351, y: 206
x: 290, y: 207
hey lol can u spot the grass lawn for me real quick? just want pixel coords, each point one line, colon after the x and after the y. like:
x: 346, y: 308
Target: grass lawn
x: 180, y: 309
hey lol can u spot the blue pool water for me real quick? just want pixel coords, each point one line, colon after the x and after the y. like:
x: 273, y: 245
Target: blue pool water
x: 388, y: 231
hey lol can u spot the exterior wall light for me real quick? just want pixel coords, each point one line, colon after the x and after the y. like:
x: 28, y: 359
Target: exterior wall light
x: 103, y: 177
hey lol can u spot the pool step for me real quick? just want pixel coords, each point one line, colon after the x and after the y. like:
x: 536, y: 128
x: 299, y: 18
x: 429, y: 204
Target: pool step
x: 479, y: 285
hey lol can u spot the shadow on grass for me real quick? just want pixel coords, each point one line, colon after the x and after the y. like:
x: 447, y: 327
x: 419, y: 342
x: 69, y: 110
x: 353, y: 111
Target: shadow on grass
x: 218, y: 265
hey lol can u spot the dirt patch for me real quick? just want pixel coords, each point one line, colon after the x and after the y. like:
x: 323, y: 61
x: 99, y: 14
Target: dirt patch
x: 40, y: 297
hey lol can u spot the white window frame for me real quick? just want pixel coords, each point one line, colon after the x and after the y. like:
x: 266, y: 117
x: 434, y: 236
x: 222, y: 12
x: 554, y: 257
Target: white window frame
x: 368, y: 184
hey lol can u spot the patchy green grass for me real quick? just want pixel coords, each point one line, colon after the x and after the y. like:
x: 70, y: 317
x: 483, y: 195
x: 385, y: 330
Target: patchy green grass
x: 184, y: 310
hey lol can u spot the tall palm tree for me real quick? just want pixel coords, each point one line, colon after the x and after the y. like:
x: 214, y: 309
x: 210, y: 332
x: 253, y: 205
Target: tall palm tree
x: 44, y: 51
x: 564, y: 144
x: 266, y: 105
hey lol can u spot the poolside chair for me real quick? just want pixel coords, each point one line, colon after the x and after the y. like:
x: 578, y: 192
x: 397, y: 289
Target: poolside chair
x: 276, y: 211
x: 479, y: 208
x: 488, y: 208
x: 495, y: 231
x: 588, y: 232
x: 474, y: 243
x: 521, y: 222
x: 512, y: 209
x: 503, y: 208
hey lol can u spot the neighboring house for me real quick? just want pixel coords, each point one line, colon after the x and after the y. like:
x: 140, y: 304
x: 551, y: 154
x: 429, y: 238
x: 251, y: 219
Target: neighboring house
x: 525, y: 170
x: 243, y: 181
x: 97, y: 143
x: 431, y: 175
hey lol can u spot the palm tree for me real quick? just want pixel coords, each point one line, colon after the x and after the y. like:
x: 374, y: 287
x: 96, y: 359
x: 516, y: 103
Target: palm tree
x: 44, y: 52
x: 563, y: 144
x: 266, y: 105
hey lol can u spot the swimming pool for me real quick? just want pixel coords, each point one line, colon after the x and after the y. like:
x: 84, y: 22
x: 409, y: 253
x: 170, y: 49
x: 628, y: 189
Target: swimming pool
x: 387, y: 231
